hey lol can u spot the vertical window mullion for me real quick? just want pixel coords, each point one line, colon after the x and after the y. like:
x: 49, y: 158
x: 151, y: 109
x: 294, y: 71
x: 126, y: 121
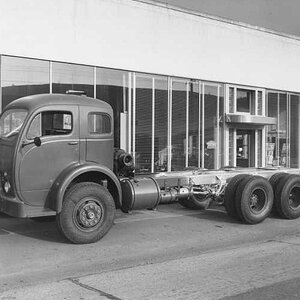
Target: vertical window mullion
x: 50, y: 76
x: 134, y: 115
x: 130, y: 137
x: 202, y: 116
x: 187, y: 126
x: 153, y: 125
x: 169, y: 123
x: 199, y: 124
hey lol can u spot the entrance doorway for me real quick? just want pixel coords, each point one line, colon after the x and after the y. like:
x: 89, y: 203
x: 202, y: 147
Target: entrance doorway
x: 245, y: 148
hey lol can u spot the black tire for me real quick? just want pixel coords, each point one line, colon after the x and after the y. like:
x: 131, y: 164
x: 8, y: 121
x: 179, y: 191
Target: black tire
x: 274, y: 180
x: 87, y: 214
x: 287, y: 197
x: 229, y: 197
x: 254, y: 199
x: 195, y: 202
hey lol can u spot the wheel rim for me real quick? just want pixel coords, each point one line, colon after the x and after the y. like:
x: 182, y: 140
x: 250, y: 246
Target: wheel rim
x: 88, y: 214
x: 294, y: 197
x: 257, y: 200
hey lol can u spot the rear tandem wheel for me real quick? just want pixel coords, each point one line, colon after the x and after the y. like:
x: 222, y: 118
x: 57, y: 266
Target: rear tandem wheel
x: 254, y: 199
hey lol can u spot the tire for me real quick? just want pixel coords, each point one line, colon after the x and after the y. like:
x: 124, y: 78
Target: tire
x: 229, y: 197
x: 287, y: 197
x: 254, y: 199
x: 87, y: 214
x: 195, y: 202
x: 274, y: 180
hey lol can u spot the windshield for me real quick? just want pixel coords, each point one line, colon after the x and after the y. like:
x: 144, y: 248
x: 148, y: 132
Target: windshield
x: 11, y: 122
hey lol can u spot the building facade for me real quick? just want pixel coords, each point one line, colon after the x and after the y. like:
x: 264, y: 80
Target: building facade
x: 187, y: 90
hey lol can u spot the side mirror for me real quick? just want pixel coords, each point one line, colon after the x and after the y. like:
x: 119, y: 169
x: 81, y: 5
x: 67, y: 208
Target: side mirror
x: 37, y: 141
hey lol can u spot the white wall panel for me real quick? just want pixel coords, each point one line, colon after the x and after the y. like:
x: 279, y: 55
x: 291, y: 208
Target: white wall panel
x: 136, y: 36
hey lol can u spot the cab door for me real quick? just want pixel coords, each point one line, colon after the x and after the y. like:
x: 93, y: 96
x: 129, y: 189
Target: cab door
x: 39, y: 166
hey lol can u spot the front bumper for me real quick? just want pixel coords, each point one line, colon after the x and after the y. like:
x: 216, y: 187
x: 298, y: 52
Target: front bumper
x: 12, y: 206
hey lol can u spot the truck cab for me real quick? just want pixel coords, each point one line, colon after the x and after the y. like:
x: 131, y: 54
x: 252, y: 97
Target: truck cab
x: 47, y: 144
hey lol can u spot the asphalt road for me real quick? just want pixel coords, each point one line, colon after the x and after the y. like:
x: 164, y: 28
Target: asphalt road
x: 171, y: 253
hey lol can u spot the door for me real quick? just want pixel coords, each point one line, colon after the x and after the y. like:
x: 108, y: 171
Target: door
x: 40, y: 166
x: 245, y: 148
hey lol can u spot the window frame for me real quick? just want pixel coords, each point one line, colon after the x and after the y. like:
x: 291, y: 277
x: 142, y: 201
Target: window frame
x: 95, y: 113
x: 50, y: 135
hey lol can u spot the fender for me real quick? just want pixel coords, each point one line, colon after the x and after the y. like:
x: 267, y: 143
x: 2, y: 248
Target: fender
x: 55, y: 197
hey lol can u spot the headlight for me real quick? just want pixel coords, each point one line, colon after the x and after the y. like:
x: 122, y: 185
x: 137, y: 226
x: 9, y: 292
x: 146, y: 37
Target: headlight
x: 6, y: 187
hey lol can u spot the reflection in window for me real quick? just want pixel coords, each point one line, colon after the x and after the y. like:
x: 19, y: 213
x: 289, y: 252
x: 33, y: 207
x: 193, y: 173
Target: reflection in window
x: 276, y: 147
x: 210, y: 125
x: 194, y: 137
x: 50, y: 123
x: 72, y: 77
x: 294, y: 131
x: 112, y: 87
x: 161, y: 125
x: 178, y: 148
x: 22, y: 77
x: 143, y: 124
x: 11, y: 122
x: 244, y: 100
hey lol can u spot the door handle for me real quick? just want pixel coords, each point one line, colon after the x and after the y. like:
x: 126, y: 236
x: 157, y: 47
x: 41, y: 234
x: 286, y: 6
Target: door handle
x: 73, y: 143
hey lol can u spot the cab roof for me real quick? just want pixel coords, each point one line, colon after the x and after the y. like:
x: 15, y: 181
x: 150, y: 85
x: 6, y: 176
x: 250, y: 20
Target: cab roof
x: 37, y: 101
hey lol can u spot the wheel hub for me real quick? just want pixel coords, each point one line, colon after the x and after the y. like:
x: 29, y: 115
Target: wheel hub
x: 90, y: 214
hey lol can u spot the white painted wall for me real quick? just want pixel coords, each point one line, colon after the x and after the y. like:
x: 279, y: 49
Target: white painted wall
x: 130, y: 35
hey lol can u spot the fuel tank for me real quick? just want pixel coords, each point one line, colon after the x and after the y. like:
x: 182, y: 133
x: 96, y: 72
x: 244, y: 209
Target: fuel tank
x: 139, y: 193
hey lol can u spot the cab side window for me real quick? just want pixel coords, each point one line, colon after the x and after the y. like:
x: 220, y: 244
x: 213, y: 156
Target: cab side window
x: 99, y: 123
x: 50, y: 123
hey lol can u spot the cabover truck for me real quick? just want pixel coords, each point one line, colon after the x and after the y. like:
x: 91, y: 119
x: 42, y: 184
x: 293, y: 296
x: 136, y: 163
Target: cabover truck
x: 57, y: 157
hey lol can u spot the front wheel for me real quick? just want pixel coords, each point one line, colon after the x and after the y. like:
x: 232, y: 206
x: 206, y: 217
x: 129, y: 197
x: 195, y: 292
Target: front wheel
x: 87, y: 214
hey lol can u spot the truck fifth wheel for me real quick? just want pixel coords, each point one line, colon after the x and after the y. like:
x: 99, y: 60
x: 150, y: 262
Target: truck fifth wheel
x: 57, y: 158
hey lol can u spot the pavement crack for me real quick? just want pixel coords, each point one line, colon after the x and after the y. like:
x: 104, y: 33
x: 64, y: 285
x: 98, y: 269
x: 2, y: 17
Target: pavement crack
x: 101, y: 293
x: 284, y: 242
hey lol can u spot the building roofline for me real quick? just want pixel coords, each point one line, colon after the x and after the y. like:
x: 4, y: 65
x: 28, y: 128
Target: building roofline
x: 218, y: 18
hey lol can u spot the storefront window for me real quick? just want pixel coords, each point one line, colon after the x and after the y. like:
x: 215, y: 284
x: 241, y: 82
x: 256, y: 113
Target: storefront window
x: 210, y: 125
x: 244, y: 100
x: 194, y: 139
x: 72, y: 77
x: 143, y: 125
x: 178, y: 148
x: 22, y: 77
x: 161, y: 125
x: 112, y: 87
x: 294, y: 131
x: 276, y: 147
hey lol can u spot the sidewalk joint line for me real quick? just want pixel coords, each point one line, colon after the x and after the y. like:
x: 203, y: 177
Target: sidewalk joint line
x: 102, y: 293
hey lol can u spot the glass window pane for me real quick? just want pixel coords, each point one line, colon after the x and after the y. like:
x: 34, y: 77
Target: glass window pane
x: 259, y: 103
x: 56, y: 123
x: 35, y: 129
x: 283, y: 130
x: 72, y: 77
x: 112, y: 87
x: 231, y: 100
x: 244, y: 100
x: 210, y: 126
x: 143, y: 125
x: 22, y: 77
x: 99, y: 123
x: 178, y: 125
x: 221, y: 126
x: 194, y: 142
x: 272, y: 131
x: 294, y: 131
x: 277, y: 134
x: 161, y: 125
